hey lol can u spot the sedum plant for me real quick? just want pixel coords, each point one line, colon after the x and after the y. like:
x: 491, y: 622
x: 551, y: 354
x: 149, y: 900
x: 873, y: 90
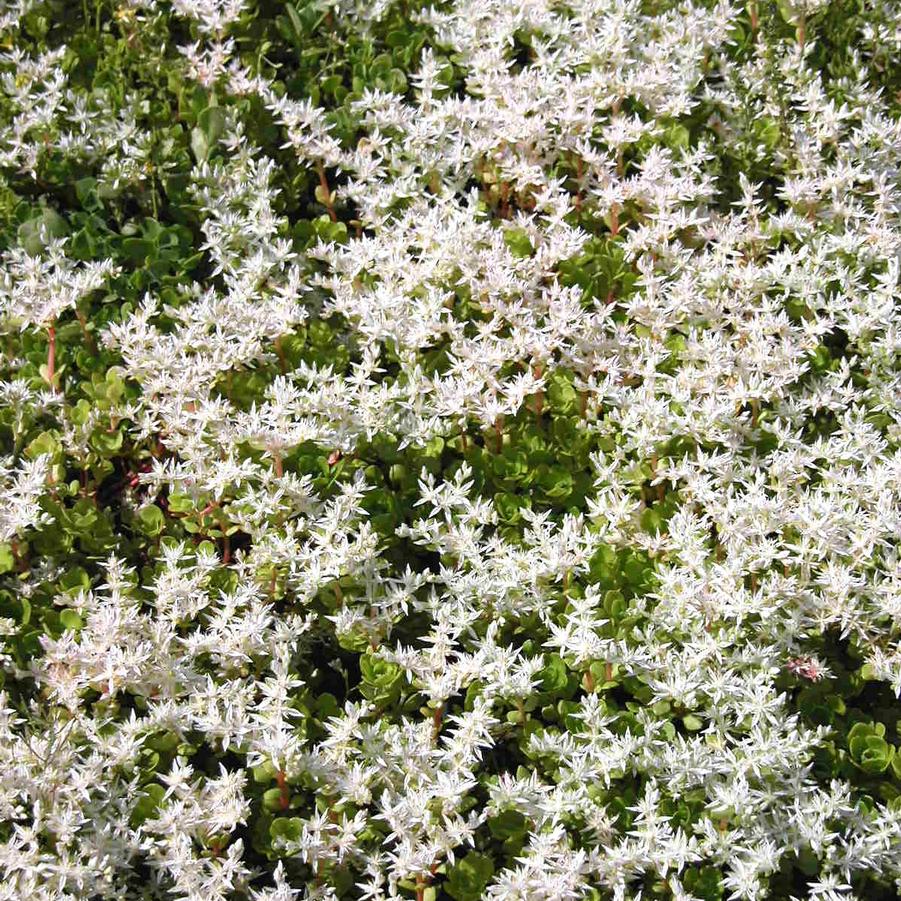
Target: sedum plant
x: 450, y: 451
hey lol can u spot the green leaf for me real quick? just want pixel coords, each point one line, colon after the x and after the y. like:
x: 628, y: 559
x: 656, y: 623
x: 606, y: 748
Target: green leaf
x: 164, y: 741
x: 556, y: 482
x: 553, y: 675
x: 323, y: 195
x: 272, y: 799
x: 264, y: 773
x: 327, y: 706
x: 180, y: 503
x: 508, y: 506
x: 381, y: 679
x: 768, y: 131
x: 34, y: 233
x: 85, y: 190
x: 137, y: 250
x: 469, y: 876
x: 287, y: 828
x: 151, y: 520
x: 869, y: 750
x: 294, y: 19
x: 518, y: 241
x: 209, y: 128
x: 105, y: 442
x: 148, y: 804
x: 71, y: 620
x: 507, y: 824
x: 212, y: 122
x: 45, y: 443
x: 561, y: 394
x: 678, y: 137
x: 896, y: 766
x: 75, y: 581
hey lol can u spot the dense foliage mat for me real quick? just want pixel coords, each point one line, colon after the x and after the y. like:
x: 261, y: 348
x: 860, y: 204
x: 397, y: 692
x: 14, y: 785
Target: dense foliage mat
x: 450, y: 452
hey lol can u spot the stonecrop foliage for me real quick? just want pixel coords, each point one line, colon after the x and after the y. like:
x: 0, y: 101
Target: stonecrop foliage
x: 450, y: 451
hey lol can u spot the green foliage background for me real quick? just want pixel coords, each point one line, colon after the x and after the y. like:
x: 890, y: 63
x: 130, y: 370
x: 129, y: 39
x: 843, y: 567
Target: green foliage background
x: 539, y: 461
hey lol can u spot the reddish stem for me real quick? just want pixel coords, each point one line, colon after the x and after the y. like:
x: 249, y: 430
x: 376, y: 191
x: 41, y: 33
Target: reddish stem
x: 51, y: 354
x: 505, y: 200
x: 437, y: 717
x: 284, y: 799
x: 537, y: 371
x: 323, y: 182
x: 282, y: 362
x: 88, y: 337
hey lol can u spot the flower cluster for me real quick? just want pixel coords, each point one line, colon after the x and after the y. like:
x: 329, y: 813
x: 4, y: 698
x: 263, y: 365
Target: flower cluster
x: 450, y: 451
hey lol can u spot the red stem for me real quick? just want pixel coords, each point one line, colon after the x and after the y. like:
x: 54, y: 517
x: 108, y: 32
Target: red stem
x: 51, y: 354
x: 284, y: 793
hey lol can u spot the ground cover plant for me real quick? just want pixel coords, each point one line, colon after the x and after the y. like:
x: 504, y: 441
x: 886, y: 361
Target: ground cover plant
x: 450, y: 451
